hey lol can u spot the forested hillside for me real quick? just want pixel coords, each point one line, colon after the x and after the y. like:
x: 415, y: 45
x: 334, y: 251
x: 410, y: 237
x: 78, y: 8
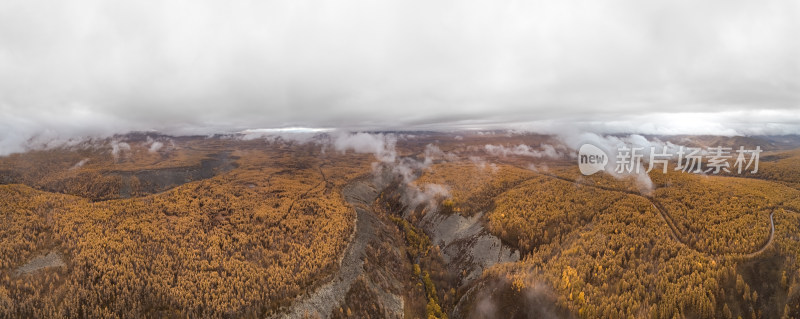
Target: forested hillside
x: 241, y: 243
x: 228, y: 226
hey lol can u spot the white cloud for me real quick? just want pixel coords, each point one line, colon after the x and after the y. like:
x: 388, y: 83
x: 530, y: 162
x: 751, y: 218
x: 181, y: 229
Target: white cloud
x: 380, y: 145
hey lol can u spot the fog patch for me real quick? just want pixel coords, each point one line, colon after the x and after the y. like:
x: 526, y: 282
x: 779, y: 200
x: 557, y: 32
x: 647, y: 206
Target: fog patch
x: 382, y: 146
x: 80, y: 164
x: 155, y: 147
x: 433, y: 153
x: 427, y: 195
x: 118, y: 149
x: 546, y: 151
x: 612, y: 145
x: 299, y: 135
x: 496, y: 297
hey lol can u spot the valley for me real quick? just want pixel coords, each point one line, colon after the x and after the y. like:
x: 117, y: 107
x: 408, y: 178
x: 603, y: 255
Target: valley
x: 417, y: 225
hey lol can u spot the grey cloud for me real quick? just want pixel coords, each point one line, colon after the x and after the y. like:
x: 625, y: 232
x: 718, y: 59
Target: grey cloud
x: 70, y: 69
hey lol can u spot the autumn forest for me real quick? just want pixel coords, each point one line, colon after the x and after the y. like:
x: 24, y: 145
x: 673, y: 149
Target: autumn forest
x: 397, y: 225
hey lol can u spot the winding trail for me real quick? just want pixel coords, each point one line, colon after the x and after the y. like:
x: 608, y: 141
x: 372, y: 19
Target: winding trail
x: 361, y: 192
x: 674, y: 232
x: 769, y: 242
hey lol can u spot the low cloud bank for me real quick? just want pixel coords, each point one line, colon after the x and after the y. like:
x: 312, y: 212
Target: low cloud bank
x: 547, y: 151
x: 611, y: 144
x: 380, y: 145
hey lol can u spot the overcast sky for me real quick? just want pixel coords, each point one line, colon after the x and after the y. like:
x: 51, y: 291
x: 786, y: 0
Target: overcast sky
x: 89, y: 67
